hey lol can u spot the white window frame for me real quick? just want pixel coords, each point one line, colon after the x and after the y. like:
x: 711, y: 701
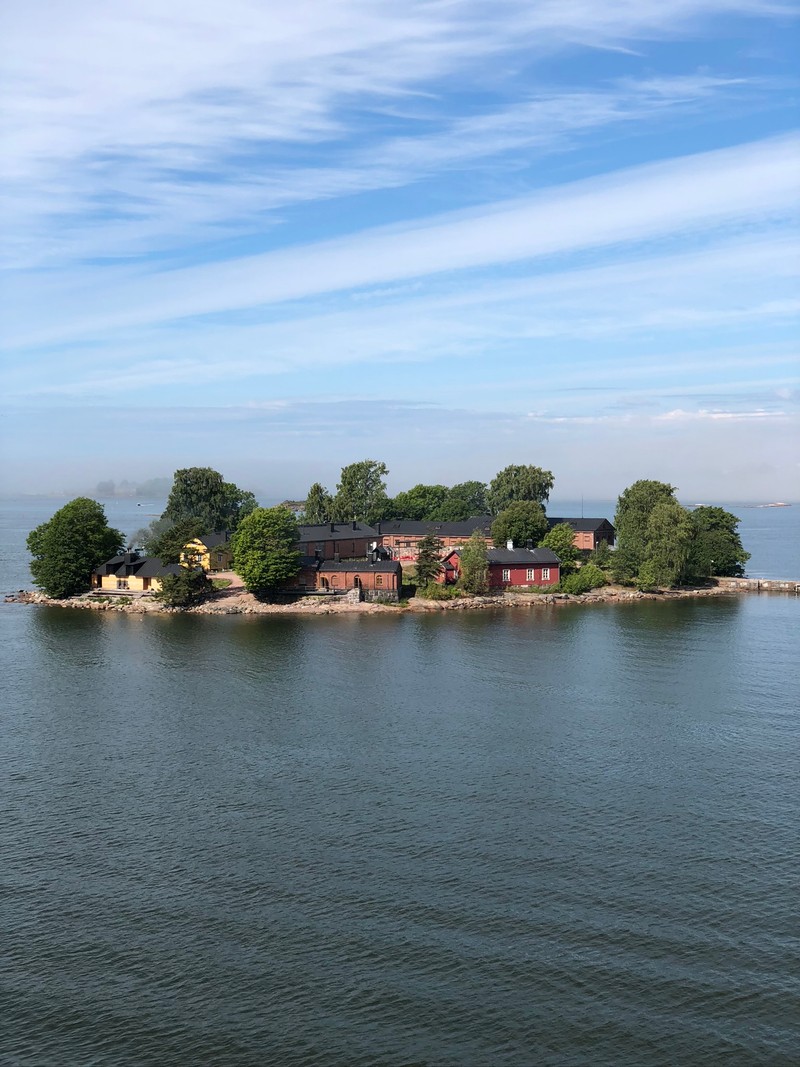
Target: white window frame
x: 545, y: 574
x: 531, y: 574
x: 506, y: 574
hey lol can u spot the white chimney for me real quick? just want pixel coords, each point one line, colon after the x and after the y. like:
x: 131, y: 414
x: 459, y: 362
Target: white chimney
x: 509, y: 544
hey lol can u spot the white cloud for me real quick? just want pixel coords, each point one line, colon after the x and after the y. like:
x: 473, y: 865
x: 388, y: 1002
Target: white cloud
x: 737, y: 187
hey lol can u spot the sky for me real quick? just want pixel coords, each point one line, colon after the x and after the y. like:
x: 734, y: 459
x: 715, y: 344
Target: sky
x: 449, y: 235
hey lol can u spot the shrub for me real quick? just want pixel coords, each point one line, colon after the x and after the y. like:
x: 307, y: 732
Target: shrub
x: 584, y: 580
x: 434, y: 591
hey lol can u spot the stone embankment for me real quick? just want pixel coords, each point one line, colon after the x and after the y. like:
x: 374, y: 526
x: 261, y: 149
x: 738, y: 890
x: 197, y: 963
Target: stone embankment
x: 236, y: 601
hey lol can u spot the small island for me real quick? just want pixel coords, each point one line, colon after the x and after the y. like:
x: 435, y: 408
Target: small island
x: 214, y: 550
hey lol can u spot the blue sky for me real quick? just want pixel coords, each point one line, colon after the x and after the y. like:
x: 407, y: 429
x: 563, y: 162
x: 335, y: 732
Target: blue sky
x: 450, y: 235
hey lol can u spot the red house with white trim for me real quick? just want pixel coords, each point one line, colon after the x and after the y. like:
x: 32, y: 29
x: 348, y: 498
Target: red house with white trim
x: 511, y: 568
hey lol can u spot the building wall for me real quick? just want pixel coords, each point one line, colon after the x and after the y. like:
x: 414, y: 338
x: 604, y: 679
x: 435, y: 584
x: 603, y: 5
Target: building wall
x: 113, y: 583
x: 404, y: 547
x: 380, y: 583
x: 345, y: 548
x: 210, y: 559
x: 518, y: 575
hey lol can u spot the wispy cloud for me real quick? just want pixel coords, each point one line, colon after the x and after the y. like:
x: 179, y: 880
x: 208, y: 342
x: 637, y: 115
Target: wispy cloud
x: 728, y: 188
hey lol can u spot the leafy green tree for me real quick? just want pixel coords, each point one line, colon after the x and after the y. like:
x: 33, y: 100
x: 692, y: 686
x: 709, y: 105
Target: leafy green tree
x: 516, y: 483
x: 319, y: 505
x: 202, y: 493
x: 463, y: 501
x: 520, y: 522
x: 601, y: 556
x: 419, y: 503
x: 716, y: 547
x: 184, y: 590
x: 166, y: 539
x: 361, y: 492
x: 68, y: 547
x: 264, y: 552
x: 585, y: 579
x: 429, y: 559
x: 475, y: 565
x: 561, y: 540
x: 669, y: 539
x: 634, y: 507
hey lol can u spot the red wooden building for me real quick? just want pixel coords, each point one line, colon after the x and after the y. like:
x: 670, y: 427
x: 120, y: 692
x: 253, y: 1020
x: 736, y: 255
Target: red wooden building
x: 511, y: 568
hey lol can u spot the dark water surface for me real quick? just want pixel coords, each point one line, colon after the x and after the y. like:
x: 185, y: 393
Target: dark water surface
x: 566, y: 836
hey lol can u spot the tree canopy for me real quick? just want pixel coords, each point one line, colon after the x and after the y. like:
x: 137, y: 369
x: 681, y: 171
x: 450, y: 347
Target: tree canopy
x: 421, y: 502
x: 263, y: 550
x: 634, y: 507
x: 202, y: 493
x: 184, y: 590
x: 520, y: 522
x: 517, y: 483
x: 475, y: 565
x: 661, y: 543
x: 561, y: 540
x: 318, y: 506
x: 166, y: 539
x: 429, y: 559
x: 68, y: 547
x: 463, y: 501
x: 361, y: 492
x: 716, y: 547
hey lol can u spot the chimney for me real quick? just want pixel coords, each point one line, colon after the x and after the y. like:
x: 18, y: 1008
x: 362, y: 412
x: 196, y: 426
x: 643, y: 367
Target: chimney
x: 509, y: 545
x: 355, y: 524
x: 378, y: 527
x: 333, y: 527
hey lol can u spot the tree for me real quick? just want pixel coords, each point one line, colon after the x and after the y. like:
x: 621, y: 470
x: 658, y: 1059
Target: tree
x: 716, y: 547
x: 166, y: 539
x: 669, y: 538
x: 517, y: 483
x: 184, y: 590
x: 584, y: 580
x: 634, y: 507
x: 318, y: 505
x: 429, y: 560
x: 68, y: 547
x: 202, y: 493
x: 420, y: 502
x: 520, y: 522
x: 463, y: 501
x: 263, y: 550
x: 561, y: 540
x: 475, y: 565
x: 361, y: 492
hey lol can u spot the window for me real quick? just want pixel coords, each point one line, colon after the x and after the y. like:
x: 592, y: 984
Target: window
x: 506, y: 574
x: 530, y: 574
x: 545, y: 574
x: 219, y: 557
x: 122, y: 583
x: 378, y: 579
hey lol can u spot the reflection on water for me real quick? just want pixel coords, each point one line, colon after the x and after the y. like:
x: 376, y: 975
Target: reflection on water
x: 551, y: 836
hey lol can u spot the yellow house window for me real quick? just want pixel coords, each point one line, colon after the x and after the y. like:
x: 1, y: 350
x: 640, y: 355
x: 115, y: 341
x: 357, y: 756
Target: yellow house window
x: 122, y: 583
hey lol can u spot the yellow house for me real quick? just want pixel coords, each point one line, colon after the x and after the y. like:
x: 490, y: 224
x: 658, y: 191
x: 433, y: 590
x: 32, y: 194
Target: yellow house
x: 132, y: 573
x: 211, y: 551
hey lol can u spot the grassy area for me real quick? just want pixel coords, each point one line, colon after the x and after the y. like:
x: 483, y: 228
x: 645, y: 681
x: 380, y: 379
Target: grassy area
x: 221, y: 583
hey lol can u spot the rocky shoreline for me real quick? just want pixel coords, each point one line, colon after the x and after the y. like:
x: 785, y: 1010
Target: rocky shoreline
x: 239, y: 602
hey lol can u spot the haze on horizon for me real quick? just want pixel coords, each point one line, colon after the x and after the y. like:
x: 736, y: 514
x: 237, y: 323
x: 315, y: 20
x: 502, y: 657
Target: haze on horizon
x: 449, y: 236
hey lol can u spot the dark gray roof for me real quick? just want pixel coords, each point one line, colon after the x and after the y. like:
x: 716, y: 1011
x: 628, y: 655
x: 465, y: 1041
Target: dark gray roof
x: 335, y: 531
x: 443, y: 529
x: 152, y: 567
x: 522, y: 555
x: 526, y: 556
x: 580, y: 525
x: 383, y: 566
x: 131, y: 563
x: 212, y: 540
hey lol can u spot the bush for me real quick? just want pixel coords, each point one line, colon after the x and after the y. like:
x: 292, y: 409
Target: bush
x: 183, y: 590
x: 584, y: 580
x: 434, y: 591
